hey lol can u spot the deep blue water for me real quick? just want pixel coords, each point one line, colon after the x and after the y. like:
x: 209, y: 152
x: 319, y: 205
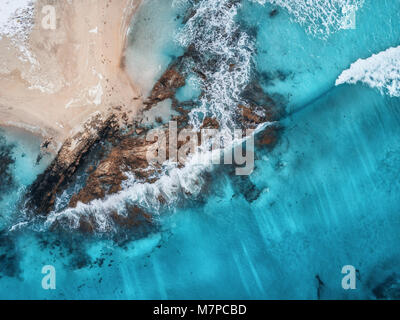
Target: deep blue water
x: 326, y: 195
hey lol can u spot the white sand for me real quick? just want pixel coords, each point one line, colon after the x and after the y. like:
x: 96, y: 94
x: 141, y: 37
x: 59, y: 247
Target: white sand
x: 54, y: 80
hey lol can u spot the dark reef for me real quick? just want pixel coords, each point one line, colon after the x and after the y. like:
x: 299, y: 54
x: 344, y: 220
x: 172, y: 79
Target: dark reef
x: 389, y: 288
x: 9, y: 258
x: 6, y: 161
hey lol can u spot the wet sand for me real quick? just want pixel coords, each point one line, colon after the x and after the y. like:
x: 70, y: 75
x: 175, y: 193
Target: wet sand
x: 56, y: 80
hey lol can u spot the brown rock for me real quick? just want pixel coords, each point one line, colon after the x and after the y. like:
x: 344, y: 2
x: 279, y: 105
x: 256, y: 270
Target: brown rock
x: 210, y: 123
x: 139, y: 131
x: 130, y: 155
x: 251, y: 116
x: 136, y: 217
x: 44, y: 190
x: 268, y: 137
x: 166, y: 86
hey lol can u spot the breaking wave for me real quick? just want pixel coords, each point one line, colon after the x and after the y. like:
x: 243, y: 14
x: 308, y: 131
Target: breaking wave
x: 214, y: 32
x: 381, y: 71
x: 216, y: 36
x: 320, y: 18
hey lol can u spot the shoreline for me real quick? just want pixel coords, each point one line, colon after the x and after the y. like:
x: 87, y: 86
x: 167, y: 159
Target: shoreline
x: 57, y: 80
x: 126, y: 153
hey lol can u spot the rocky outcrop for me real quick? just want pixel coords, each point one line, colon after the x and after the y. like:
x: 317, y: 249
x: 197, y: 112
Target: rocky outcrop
x: 259, y: 105
x: 6, y: 162
x: 59, y: 174
x: 130, y: 155
x: 128, y: 149
x: 268, y: 137
x: 210, y: 123
x: 166, y: 86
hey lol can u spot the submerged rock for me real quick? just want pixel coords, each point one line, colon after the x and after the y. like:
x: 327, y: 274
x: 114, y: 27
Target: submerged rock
x: 6, y: 161
x: 244, y: 186
x: 268, y: 137
x: 9, y: 258
x: 273, y: 13
x: 388, y: 289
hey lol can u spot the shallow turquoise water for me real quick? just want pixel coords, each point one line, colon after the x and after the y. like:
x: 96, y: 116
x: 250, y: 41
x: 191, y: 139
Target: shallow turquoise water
x: 23, y: 149
x: 307, y: 64
x: 326, y: 196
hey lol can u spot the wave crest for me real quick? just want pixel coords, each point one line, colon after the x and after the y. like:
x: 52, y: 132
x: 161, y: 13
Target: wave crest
x: 381, y: 71
x: 320, y: 18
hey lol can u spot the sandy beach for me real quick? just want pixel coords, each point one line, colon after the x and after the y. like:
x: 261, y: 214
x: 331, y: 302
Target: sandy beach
x: 57, y: 79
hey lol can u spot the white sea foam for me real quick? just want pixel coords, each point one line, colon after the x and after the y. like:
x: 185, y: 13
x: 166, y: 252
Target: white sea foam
x: 16, y: 18
x: 320, y: 18
x: 214, y: 32
x: 381, y: 71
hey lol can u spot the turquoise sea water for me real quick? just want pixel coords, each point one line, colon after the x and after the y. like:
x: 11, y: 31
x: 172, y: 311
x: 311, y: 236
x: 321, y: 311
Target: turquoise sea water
x: 326, y: 196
